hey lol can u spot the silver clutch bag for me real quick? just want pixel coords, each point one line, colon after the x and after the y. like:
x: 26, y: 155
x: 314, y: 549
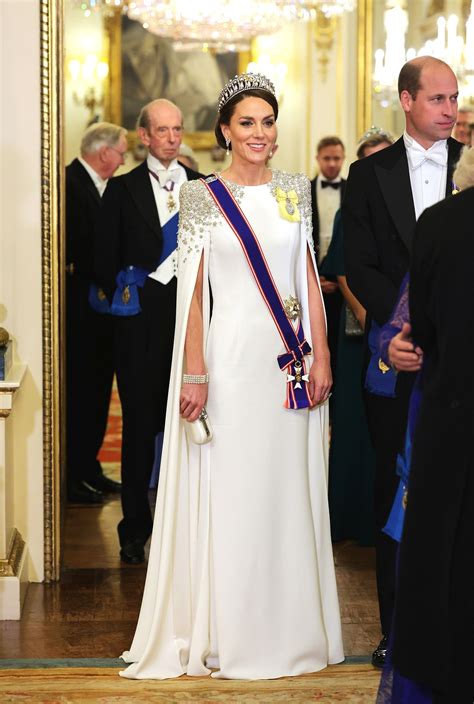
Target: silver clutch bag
x: 199, y: 431
x: 352, y: 326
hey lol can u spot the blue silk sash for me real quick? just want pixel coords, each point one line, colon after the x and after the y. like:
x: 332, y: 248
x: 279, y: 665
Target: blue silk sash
x: 126, y: 301
x: 170, y: 237
x: 292, y: 361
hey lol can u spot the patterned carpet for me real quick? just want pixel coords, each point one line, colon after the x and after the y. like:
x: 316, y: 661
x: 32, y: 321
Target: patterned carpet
x: 354, y: 683
x: 110, y: 452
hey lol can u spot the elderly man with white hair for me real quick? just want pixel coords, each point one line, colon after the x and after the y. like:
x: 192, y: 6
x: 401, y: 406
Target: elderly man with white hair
x: 136, y: 265
x: 89, y: 331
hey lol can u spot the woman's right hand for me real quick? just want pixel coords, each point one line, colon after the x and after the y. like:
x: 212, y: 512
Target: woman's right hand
x: 192, y: 400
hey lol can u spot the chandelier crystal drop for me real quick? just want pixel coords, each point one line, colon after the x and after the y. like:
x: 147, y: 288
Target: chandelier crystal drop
x: 306, y: 9
x: 222, y: 25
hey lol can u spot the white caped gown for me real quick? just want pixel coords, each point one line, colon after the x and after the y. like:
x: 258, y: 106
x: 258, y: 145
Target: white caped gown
x: 241, y: 574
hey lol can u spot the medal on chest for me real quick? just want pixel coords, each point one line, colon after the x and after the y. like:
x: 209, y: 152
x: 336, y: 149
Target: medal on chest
x: 170, y: 201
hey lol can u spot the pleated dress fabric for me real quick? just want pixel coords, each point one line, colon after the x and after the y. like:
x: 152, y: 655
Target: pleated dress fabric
x: 247, y: 577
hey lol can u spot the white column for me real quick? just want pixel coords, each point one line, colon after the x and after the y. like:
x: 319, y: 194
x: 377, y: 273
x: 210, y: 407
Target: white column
x: 13, y: 563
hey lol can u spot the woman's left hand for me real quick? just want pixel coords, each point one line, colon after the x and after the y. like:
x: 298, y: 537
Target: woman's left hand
x: 320, y: 380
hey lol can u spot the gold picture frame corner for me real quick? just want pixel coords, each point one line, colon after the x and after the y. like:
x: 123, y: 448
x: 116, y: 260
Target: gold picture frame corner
x: 200, y: 141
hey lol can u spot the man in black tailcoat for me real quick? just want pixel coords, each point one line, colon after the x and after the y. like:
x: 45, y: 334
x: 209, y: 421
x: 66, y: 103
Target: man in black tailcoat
x: 327, y: 192
x: 435, y: 585
x: 89, y: 326
x: 385, y: 194
x: 136, y: 266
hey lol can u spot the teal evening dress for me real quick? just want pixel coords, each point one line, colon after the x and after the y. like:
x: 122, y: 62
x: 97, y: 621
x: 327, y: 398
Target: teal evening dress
x: 351, y: 457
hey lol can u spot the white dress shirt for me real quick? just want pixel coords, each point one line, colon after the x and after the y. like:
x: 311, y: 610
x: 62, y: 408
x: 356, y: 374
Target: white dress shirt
x: 99, y: 182
x: 328, y: 201
x: 175, y: 172
x: 428, y: 171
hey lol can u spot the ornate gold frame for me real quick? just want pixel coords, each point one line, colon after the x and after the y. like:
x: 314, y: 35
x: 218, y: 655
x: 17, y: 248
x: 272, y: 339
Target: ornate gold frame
x: 51, y: 22
x: 113, y: 99
x: 52, y: 207
x: 365, y: 18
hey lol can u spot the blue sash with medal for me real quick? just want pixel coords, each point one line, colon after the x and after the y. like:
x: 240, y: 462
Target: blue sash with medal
x: 126, y: 301
x: 292, y: 361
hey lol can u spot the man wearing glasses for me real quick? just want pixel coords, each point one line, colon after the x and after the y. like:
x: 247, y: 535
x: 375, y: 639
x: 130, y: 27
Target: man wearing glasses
x: 89, y: 325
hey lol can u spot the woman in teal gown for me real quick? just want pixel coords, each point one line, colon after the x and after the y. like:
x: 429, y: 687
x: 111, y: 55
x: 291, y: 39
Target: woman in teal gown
x: 351, y: 456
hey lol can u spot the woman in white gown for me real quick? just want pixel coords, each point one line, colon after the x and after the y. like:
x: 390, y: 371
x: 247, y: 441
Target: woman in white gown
x: 241, y: 576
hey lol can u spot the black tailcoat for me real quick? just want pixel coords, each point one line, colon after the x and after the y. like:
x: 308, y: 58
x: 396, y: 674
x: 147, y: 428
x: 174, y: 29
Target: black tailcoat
x: 130, y: 234
x: 89, y: 335
x: 379, y: 222
x: 332, y: 302
x: 435, y: 596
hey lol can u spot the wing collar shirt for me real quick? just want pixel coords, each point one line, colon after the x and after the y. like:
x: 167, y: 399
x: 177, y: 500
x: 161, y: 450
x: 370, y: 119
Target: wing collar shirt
x: 176, y: 173
x: 428, y: 171
x: 99, y: 182
x: 329, y: 202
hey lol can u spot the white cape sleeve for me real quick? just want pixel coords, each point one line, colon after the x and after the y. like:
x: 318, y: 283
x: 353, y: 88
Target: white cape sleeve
x: 160, y: 647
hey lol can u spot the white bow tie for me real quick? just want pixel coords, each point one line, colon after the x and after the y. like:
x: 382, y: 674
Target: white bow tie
x: 438, y: 154
x: 165, y: 175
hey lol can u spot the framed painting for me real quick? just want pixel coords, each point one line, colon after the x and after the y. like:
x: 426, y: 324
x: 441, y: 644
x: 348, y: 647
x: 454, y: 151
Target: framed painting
x: 143, y: 66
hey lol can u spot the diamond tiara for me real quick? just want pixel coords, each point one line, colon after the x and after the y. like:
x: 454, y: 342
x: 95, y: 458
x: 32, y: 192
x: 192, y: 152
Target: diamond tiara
x: 375, y: 132
x: 239, y: 84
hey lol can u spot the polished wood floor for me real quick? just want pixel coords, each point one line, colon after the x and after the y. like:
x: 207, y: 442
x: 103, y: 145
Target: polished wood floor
x: 92, y: 611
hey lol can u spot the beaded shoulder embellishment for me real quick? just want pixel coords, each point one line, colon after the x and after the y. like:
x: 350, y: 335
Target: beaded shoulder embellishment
x: 198, y: 213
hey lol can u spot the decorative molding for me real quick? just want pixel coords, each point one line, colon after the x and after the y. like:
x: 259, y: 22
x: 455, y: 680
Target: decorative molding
x: 113, y: 48
x: 324, y: 30
x: 365, y: 17
x: 10, y: 566
x: 51, y: 71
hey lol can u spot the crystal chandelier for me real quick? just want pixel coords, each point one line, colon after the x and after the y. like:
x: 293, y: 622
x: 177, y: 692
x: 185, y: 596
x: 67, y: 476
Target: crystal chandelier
x: 448, y: 46
x: 306, y: 9
x: 222, y: 25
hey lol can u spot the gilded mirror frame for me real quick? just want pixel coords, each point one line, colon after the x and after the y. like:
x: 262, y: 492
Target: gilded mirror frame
x: 51, y: 81
x: 52, y: 207
x: 365, y: 23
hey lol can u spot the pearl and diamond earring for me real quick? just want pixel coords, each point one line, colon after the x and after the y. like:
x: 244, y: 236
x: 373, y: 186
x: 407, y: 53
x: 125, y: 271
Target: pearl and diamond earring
x: 227, y: 144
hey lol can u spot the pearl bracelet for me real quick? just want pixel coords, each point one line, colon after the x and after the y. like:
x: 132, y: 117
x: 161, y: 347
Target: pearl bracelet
x: 195, y: 378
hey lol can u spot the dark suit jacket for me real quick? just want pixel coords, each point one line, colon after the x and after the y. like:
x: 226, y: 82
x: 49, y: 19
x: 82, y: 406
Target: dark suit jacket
x: 378, y: 217
x: 129, y: 231
x: 82, y: 210
x: 314, y: 205
x: 434, y: 601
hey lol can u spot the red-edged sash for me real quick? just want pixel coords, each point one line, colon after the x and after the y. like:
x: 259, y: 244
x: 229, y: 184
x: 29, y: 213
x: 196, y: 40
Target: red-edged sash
x: 292, y: 361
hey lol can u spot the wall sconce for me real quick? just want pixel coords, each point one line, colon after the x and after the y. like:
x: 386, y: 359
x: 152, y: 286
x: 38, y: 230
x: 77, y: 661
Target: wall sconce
x: 87, y: 75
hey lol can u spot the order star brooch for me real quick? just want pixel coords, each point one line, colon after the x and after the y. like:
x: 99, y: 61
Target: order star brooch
x: 288, y: 205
